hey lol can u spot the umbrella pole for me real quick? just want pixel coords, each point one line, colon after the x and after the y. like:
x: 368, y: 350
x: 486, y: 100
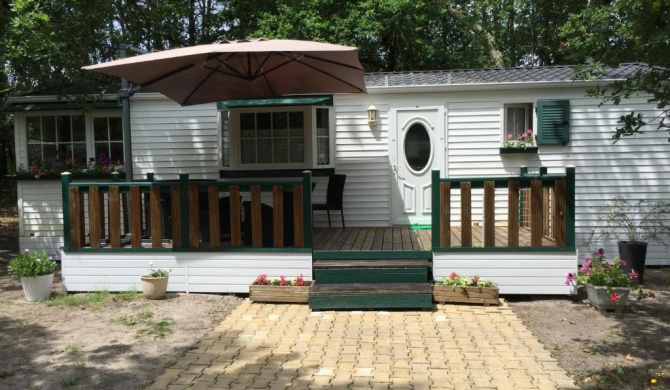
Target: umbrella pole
x: 125, y: 121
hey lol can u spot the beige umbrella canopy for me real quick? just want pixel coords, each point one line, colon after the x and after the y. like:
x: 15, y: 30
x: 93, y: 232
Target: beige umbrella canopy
x: 242, y: 69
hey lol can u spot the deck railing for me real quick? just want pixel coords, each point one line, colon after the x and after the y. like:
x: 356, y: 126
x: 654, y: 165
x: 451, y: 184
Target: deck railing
x: 548, y: 223
x: 188, y: 215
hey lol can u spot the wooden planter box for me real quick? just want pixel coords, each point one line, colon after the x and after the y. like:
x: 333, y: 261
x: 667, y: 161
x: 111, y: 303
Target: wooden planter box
x: 280, y: 294
x: 474, y: 295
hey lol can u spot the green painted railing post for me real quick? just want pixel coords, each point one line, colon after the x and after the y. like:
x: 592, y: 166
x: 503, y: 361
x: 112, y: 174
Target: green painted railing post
x: 183, y: 207
x: 435, y: 207
x: 307, y: 207
x: 523, y: 171
x: 66, y: 178
x: 570, y: 209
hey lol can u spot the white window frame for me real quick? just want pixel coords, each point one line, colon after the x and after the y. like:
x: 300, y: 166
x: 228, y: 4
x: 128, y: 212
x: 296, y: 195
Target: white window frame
x: 529, y: 108
x: 22, y: 122
x: 309, y: 121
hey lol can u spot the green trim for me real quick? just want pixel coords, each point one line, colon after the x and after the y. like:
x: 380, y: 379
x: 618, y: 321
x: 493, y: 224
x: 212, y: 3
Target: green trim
x: 435, y: 214
x: 370, y: 301
x: 307, y: 208
x: 251, y: 174
x: 532, y: 149
x: 372, y: 255
x: 315, y: 100
x: 570, y: 206
x: 371, y: 275
x: 65, y: 192
x: 63, y: 105
x: 183, y: 205
x: 502, y: 182
x: 420, y: 227
x: 542, y: 249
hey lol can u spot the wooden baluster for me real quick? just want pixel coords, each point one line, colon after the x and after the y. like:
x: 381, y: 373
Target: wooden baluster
x: 489, y: 214
x: 298, y: 216
x: 114, y: 218
x: 536, y: 213
x: 94, y: 216
x: 235, y: 214
x: 194, y: 216
x: 135, y: 217
x: 559, y: 213
x: 75, y: 220
x: 214, y: 225
x: 513, y: 214
x: 175, y: 211
x: 278, y: 216
x: 466, y: 215
x: 256, y: 217
x: 445, y: 215
x: 156, y: 217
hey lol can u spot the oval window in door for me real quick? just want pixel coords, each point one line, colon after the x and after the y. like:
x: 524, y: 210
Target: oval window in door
x: 417, y: 147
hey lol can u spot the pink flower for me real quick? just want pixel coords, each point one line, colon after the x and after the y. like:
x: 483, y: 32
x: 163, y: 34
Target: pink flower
x: 623, y: 262
x: 509, y: 137
x: 652, y: 294
x: 614, y: 297
x: 589, y: 272
x: 632, y: 274
x: 475, y: 279
x: 587, y: 261
x: 529, y: 131
x: 453, y: 275
x: 299, y: 281
x: 585, y: 267
x: 569, y: 279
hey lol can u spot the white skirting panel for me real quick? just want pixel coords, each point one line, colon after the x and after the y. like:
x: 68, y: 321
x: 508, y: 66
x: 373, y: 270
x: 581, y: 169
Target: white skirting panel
x: 515, y: 273
x: 191, y: 271
x: 50, y: 245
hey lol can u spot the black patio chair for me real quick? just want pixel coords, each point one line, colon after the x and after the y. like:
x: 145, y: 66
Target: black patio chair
x: 334, y: 195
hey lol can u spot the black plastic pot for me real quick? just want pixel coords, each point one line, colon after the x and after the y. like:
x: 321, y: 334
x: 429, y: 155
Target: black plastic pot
x: 635, y: 255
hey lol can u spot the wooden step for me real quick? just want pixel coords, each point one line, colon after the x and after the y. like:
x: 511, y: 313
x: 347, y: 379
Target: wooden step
x: 371, y: 296
x: 399, y: 263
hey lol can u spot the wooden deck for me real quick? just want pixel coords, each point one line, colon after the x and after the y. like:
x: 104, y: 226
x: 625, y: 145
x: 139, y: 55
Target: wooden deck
x: 402, y: 238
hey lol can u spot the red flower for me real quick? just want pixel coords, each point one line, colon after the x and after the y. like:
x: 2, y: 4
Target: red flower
x: 652, y: 294
x: 614, y: 297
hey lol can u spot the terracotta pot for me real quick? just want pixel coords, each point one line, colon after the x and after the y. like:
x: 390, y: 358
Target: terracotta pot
x: 37, y: 288
x: 154, y: 288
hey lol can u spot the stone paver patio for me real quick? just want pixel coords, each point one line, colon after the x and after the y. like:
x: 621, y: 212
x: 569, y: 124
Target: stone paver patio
x: 265, y: 346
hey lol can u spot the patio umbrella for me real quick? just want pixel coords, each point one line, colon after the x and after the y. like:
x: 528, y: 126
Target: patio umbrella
x: 242, y: 69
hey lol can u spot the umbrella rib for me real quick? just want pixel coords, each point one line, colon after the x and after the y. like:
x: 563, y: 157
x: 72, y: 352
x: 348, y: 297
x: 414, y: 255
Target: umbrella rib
x: 166, y: 75
x: 234, y: 72
x: 260, y: 65
x: 331, y: 62
x: 199, y: 85
x: 332, y: 76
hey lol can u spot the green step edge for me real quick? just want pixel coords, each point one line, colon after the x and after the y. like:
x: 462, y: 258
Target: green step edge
x: 371, y: 255
x: 370, y: 301
x: 371, y: 275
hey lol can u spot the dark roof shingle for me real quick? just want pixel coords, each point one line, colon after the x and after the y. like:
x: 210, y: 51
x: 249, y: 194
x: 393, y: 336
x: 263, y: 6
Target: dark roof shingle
x: 492, y: 75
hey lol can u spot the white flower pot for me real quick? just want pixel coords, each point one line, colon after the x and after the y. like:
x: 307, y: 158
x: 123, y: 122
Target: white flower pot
x: 37, y: 288
x: 600, y: 298
x: 154, y: 288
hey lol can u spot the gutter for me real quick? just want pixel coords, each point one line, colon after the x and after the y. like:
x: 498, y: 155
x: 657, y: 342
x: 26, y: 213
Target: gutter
x: 486, y: 86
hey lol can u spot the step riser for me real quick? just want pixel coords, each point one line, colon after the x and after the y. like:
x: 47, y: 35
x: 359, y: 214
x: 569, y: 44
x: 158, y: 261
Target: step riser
x: 371, y: 275
x: 372, y: 301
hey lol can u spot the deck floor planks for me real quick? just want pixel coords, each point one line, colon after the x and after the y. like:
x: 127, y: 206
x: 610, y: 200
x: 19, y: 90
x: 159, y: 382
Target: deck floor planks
x: 402, y: 238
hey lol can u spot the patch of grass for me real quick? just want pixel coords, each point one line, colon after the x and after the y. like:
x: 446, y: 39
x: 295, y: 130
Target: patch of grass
x: 68, y: 348
x: 211, y: 312
x: 613, y: 375
x: 158, y: 329
x: 5, y: 374
x: 94, y: 300
x: 70, y: 382
x: 113, y: 341
x: 556, y: 351
x: 592, y: 350
x: 125, y: 320
x: 128, y: 295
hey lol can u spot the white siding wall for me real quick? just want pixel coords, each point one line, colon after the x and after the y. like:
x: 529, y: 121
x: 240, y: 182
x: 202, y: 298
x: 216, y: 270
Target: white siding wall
x: 514, y: 273
x: 168, y: 139
x: 635, y: 167
x: 361, y: 153
x: 40, y: 215
x: 190, y: 272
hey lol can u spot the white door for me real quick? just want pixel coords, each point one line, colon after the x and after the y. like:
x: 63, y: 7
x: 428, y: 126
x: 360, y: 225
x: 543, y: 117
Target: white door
x: 416, y: 146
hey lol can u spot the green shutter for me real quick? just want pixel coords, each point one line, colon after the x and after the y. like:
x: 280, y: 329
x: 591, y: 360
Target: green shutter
x: 553, y: 122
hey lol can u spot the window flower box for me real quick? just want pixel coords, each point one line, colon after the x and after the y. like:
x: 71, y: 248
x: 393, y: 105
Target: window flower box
x: 472, y: 295
x: 280, y: 290
x: 514, y: 150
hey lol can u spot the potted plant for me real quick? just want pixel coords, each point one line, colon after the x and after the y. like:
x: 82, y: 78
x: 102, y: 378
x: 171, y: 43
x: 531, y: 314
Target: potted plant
x: 463, y: 289
x: 36, y: 272
x: 280, y: 289
x: 154, y: 285
x: 633, y: 224
x: 607, y: 284
x: 524, y: 143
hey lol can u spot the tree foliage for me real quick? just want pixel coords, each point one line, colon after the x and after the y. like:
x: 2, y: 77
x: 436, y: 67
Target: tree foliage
x: 610, y: 33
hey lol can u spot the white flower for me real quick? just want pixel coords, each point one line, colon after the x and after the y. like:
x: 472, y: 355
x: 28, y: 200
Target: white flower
x: 38, y: 260
x: 151, y: 264
x: 26, y: 250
